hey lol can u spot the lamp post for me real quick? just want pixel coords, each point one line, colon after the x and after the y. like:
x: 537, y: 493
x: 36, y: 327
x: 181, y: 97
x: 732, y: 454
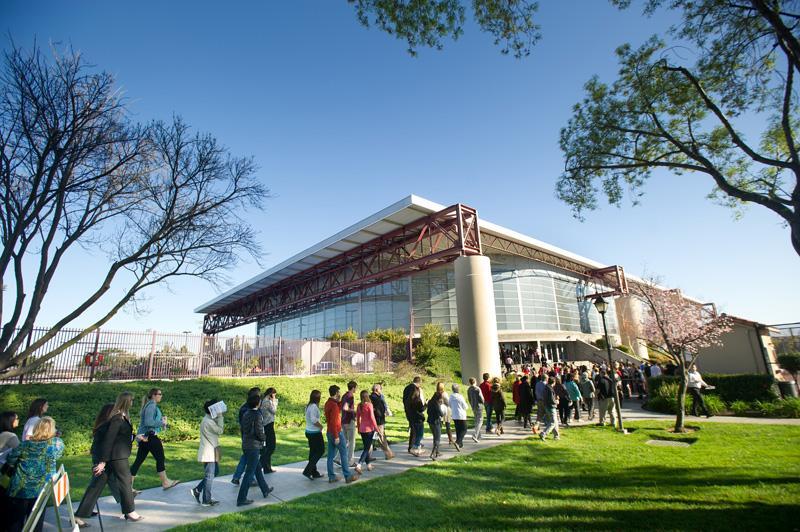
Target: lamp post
x: 602, y: 306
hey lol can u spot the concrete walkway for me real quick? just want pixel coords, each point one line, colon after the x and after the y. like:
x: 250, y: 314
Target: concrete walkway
x: 166, y: 509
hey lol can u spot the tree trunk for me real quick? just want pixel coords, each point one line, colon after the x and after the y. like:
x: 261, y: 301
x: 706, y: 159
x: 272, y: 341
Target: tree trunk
x: 795, y: 228
x: 681, y: 401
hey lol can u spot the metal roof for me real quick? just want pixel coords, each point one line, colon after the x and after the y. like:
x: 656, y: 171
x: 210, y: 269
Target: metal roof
x: 396, y: 215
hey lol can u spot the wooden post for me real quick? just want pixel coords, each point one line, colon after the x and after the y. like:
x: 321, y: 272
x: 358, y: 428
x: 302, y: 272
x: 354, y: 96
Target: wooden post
x: 152, y: 354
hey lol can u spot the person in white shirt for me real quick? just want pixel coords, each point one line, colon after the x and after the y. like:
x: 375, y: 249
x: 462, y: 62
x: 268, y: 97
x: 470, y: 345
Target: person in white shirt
x: 696, y: 383
x: 211, y: 427
x: 655, y: 370
x: 316, y: 443
x: 458, y: 409
x: 35, y: 412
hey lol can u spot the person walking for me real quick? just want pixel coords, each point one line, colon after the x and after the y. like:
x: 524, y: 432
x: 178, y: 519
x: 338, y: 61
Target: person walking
x: 486, y: 390
x: 605, y: 388
x: 695, y: 384
x: 208, y: 453
x: 367, y: 427
x: 98, y: 482
x: 37, y: 409
x: 408, y: 391
x: 574, y: 393
x: 448, y: 418
x: 239, y: 471
x: 525, y: 401
x: 538, y: 395
x: 436, y: 412
x: 515, y: 396
x: 587, y: 392
x: 349, y: 420
x: 253, y: 439
x: 498, y: 405
x: 113, y: 454
x: 35, y: 463
x: 417, y: 408
x: 475, y: 397
x: 336, y: 441
x: 269, y: 407
x: 458, y: 410
x: 316, y: 443
x: 550, y: 400
x: 563, y: 401
x: 379, y: 408
x: 9, y: 441
x: 151, y: 423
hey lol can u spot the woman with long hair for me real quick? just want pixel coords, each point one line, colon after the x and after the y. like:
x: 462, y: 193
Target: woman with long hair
x: 448, y: 416
x: 115, y: 450
x: 269, y: 407
x: 37, y: 409
x: 98, y: 482
x: 151, y: 424
x: 367, y: 426
x: 417, y: 417
x: 436, y: 413
x: 35, y: 462
x: 498, y: 405
x: 316, y: 443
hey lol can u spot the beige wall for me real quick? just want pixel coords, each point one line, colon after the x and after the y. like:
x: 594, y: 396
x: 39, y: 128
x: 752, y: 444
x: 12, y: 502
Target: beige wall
x: 629, y: 320
x: 739, y: 353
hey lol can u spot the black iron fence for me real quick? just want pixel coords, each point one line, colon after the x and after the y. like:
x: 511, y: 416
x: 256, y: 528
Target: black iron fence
x: 132, y: 355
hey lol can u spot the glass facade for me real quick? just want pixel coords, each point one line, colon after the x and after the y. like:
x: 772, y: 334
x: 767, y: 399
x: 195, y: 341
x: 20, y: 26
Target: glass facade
x: 529, y: 296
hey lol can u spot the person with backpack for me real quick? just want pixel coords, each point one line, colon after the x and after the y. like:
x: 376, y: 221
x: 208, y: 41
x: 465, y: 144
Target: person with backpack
x: 498, y: 406
x: 575, y: 397
x: 563, y: 401
x: 253, y: 439
x: 606, y: 388
x: 587, y: 392
x: 239, y: 471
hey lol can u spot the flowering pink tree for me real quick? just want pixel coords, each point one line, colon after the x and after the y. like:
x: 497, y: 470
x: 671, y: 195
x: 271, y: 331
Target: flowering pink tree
x: 679, y: 328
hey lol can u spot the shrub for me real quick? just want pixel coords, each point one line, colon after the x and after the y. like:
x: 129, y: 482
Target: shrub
x: 453, y: 339
x: 741, y: 408
x: 791, y: 363
x: 665, y: 399
x: 625, y: 349
x: 788, y: 408
x: 431, y: 337
x: 397, y: 337
x: 348, y: 335
x: 745, y: 387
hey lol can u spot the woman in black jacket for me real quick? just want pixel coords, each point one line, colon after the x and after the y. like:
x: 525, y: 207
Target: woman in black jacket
x: 525, y: 401
x: 416, y: 415
x: 115, y: 450
x: 97, y: 483
x: 436, y: 414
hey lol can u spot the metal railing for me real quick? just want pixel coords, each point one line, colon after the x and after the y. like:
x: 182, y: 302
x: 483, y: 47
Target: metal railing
x: 135, y: 355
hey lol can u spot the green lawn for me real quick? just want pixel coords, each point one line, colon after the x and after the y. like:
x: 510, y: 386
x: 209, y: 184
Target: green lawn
x: 733, y: 477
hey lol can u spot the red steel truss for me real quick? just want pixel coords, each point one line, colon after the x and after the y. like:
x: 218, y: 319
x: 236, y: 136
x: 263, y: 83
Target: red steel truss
x: 610, y: 276
x: 431, y: 241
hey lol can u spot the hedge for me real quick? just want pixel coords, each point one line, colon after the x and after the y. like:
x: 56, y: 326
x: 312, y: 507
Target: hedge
x: 730, y: 388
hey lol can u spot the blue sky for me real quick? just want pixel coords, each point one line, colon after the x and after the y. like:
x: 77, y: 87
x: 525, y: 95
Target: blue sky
x: 342, y: 122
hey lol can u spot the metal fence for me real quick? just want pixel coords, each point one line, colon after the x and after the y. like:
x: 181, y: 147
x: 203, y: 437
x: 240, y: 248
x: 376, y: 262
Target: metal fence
x: 786, y: 337
x: 130, y: 355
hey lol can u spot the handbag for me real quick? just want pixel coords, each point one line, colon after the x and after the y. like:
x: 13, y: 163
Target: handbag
x: 217, y: 454
x: 6, y: 474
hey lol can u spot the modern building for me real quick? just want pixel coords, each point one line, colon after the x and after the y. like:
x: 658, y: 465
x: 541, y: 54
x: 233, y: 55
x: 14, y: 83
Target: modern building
x: 417, y: 262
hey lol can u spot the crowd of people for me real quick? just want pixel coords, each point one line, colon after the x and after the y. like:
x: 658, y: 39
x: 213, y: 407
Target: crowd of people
x: 558, y: 393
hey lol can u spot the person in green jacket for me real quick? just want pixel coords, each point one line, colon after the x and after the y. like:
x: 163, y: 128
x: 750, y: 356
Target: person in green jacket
x: 574, y: 395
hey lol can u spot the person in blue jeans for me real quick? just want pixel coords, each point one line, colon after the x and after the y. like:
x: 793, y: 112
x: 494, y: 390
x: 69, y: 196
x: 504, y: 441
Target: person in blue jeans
x: 237, y: 474
x: 336, y: 439
x: 253, y: 439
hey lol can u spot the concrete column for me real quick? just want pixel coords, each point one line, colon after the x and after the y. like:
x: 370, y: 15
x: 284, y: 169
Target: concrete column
x: 477, y: 321
x: 629, y: 323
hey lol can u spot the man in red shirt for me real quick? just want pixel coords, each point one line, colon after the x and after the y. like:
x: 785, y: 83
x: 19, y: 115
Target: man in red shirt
x: 515, y: 396
x: 336, y: 440
x: 486, y: 390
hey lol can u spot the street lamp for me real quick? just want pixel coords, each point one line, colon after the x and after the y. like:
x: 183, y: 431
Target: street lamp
x: 602, y: 307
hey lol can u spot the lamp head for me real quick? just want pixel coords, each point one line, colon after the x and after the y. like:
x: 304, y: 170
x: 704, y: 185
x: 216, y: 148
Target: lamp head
x: 601, y: 305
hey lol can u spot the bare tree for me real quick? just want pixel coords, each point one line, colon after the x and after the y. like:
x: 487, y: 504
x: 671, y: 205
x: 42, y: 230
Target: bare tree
x: 158, y: 200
